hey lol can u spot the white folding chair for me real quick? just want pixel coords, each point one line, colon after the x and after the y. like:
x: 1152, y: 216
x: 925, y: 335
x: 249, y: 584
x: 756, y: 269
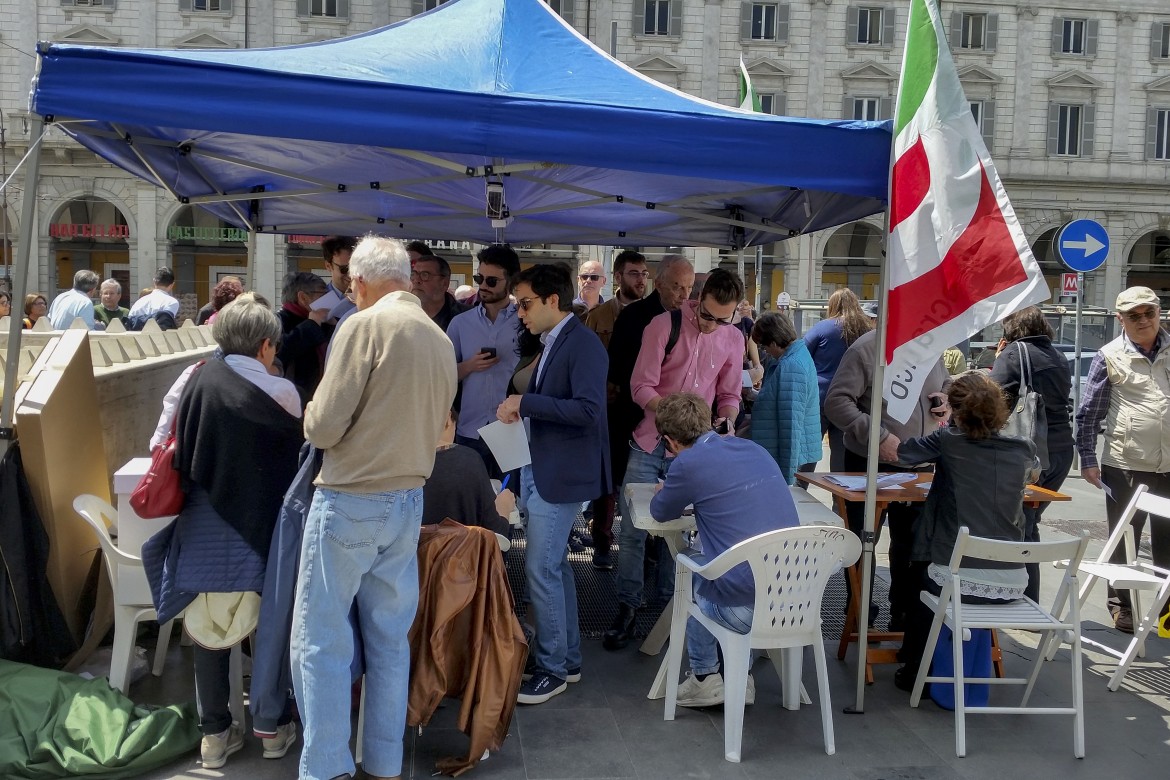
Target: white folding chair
x: 1134, y: 575
x: 790, y: 568
x: 1022, y: 614
x: 100, y: 515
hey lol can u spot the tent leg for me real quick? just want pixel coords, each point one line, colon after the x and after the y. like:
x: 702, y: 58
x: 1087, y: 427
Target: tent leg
x: 20, y: 272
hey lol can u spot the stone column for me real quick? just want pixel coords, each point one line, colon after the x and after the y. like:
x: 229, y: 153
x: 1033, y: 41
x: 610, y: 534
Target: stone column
x: 264, y: 279
x: 1123, y: 111
x: 712, y: 24
x: 147, y: 258
x: 1116, y: 265
x: 705, y: 258
x: 815, y: 98
x: 804, y: 250
x: 260, y: 23
x: 147, y: 25
x: 1022, y: 97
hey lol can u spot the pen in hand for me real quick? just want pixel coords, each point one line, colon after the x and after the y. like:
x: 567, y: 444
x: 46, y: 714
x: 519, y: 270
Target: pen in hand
x: 504, y: 484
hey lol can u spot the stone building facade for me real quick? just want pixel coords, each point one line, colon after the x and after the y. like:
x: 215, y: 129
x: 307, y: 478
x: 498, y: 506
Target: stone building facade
x: 1073, y: 99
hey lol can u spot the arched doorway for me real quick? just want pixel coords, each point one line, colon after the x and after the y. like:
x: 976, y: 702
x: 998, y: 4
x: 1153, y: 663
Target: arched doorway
x: 1050, y: 265
x: 90, y: 233
x: 204, y: 249
x: 1148, y: 264
x: 852, y: 258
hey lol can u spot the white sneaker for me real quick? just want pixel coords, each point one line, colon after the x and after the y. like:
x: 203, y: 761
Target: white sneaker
x: 286, y: 737
x: 693, y: 692
x: 215, y: 748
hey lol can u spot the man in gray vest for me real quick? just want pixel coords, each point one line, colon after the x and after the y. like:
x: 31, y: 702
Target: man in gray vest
x: 1128, y: 388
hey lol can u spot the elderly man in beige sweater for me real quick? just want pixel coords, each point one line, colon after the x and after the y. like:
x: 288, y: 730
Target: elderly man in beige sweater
x: 385, y: 395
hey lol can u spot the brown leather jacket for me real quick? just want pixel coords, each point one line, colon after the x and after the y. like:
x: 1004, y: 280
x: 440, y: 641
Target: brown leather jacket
x: 466, y: 641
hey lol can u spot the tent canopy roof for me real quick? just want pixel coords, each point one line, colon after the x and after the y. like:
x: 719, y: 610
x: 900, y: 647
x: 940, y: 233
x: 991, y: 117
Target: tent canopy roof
x: 404, y: 130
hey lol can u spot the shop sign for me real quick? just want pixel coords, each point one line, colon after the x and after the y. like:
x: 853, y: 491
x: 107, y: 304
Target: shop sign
x: 299, y: 239
x: 87, y: 230
x: 188, y: 233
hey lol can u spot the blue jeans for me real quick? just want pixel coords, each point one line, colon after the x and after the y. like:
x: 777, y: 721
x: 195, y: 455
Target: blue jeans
x: 642, y: 467
x: 551, y: 586
x: 702, y: 646
x: 356, y: 547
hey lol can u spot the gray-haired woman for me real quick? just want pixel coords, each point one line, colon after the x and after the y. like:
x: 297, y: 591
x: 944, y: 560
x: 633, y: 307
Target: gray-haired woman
x: 238, y: 434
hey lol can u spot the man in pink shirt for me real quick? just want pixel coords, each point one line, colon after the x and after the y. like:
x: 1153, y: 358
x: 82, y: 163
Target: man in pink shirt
x: 706, y: 359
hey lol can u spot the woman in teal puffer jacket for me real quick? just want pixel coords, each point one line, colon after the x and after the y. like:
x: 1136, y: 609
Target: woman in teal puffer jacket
x: 786, y: 418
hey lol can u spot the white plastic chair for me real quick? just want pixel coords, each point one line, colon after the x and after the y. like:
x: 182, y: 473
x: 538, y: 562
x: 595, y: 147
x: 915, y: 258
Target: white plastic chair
x: 1134, y: 575
x: 1022, y: 614
x: 100, y: 515
x: 791, y: 567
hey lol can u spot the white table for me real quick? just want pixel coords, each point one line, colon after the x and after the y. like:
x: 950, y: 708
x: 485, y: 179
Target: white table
x: 638, y: 496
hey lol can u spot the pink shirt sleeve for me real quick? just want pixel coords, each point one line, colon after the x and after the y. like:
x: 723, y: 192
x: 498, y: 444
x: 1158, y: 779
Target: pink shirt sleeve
x: 648, y: 368
x: 730, y: 381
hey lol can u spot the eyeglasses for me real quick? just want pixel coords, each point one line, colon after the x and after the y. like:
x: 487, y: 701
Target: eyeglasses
x: 637, y: 274
x: 526, y: 303
x: 424, y: 276
x: 486, y: 281
x: 712, y: 318
x: 1138, y: 316
x: 343, y: 268
x: 590, y: 277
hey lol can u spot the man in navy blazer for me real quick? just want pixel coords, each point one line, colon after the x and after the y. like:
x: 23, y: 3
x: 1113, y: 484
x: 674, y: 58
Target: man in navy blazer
x: 564, y: 408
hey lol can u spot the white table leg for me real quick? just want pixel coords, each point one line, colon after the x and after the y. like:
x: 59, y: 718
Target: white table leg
x: 658, y: 635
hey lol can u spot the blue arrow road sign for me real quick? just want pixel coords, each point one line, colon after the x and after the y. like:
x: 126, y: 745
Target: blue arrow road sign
x: 1082, y: 245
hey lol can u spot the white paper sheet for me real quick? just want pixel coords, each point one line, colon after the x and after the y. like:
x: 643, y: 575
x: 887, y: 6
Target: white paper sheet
x: 747, y: 379
x: 329, y: 300
x: 508, y: 442
x: 884, y: 481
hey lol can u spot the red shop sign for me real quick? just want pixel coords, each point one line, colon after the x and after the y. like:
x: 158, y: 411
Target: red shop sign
x: 87, y: 230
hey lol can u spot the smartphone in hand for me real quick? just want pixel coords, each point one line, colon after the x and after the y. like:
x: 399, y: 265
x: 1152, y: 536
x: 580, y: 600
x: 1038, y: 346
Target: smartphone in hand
x: 489, y: 351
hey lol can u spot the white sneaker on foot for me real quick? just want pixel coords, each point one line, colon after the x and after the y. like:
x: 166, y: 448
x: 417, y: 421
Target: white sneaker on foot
x: 215, y: 748
x: 693, y: 692
x: 286, y: 737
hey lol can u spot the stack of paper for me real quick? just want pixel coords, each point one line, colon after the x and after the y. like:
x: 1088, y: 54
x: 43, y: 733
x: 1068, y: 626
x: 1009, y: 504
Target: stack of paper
x: 884, y: 481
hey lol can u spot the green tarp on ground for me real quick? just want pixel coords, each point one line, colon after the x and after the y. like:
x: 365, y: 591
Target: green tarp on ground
x: 54, y: 724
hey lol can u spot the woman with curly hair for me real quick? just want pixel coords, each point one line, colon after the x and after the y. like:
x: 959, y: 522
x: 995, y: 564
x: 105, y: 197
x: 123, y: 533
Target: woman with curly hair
x: 979, y: 482
x: 827, y: 342
x: 224, y: 293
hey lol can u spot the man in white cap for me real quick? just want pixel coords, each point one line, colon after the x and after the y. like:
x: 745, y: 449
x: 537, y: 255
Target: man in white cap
x: 1128, y: 388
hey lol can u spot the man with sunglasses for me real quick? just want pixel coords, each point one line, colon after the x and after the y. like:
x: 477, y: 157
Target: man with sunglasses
x: 591, y: 278
x: 336, y: 251
x: 1128, y: 389
x: 564, y: 408
x: 430, y: 278
x: 485, y: 348
x: 706, y: 359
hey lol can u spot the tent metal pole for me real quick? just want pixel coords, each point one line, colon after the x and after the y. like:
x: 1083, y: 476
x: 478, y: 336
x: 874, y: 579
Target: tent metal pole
x: 20, y: 270
x: 759, y: 275
x: 868, y: 536
x: 251, y: 277
x: 740, y: 267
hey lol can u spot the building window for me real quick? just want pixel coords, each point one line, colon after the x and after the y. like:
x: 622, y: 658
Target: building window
x: 977, y: 113
x: 205, y: 6
x: 772, y: 103
x: 323, y: 9
x: 763, y: 22
x: 1160, y: 41
x: 107, y: 4
x: 870, y: 25
x: 983, y: 112
x: 972, y: 34
x: 1158, y: 134
x: 866, y: 108
x: 563, y: 9
x: 658, y: 17
x: 1074, y: 37
x: 1071, y: 129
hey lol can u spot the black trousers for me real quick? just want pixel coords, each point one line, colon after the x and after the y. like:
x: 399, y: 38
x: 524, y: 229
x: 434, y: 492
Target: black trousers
x: 1122, y: 483
x: 213, y: 691
x: 1051, y: 478
x: 899, y: 522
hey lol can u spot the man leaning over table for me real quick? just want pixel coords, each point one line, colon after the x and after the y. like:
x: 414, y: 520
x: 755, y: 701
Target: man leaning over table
x: 738, y: 492
x: 564, y: 408
x: 1128, y: 390
x: 847, y: 405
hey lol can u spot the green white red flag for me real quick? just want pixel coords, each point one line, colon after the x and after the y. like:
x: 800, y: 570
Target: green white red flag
x: 958, y: 259
x: 748, y: 98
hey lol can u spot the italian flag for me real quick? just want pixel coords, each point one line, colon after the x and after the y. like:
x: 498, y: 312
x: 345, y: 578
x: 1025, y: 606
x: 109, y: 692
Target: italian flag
x: 748, y: 99
x: 958, y: 260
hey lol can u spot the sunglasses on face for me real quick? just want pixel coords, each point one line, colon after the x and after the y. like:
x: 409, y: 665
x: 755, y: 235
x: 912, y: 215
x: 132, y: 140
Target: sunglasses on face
x: 343, y: 268
x: 590, y: 277
x: 709, y: 317
x: 525, y: 303
x: 1138, y: 316
x: 486, y: 281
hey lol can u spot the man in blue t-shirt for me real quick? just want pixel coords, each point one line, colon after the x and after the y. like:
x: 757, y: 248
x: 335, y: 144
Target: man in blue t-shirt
x: 738, y: 492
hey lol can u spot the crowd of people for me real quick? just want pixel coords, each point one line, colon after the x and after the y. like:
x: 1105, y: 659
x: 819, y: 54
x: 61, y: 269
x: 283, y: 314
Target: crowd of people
x: 156, y: 303
x: 389, y: 378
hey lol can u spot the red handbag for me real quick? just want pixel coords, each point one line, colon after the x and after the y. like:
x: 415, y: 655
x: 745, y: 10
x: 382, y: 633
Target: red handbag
x: 160, y: 491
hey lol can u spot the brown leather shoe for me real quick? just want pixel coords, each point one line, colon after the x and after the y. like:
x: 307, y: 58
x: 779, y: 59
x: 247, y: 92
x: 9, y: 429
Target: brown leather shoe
x: 1122, y: 619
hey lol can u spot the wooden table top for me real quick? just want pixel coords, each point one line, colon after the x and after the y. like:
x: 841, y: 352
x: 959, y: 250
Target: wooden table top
x: 910, y: 492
